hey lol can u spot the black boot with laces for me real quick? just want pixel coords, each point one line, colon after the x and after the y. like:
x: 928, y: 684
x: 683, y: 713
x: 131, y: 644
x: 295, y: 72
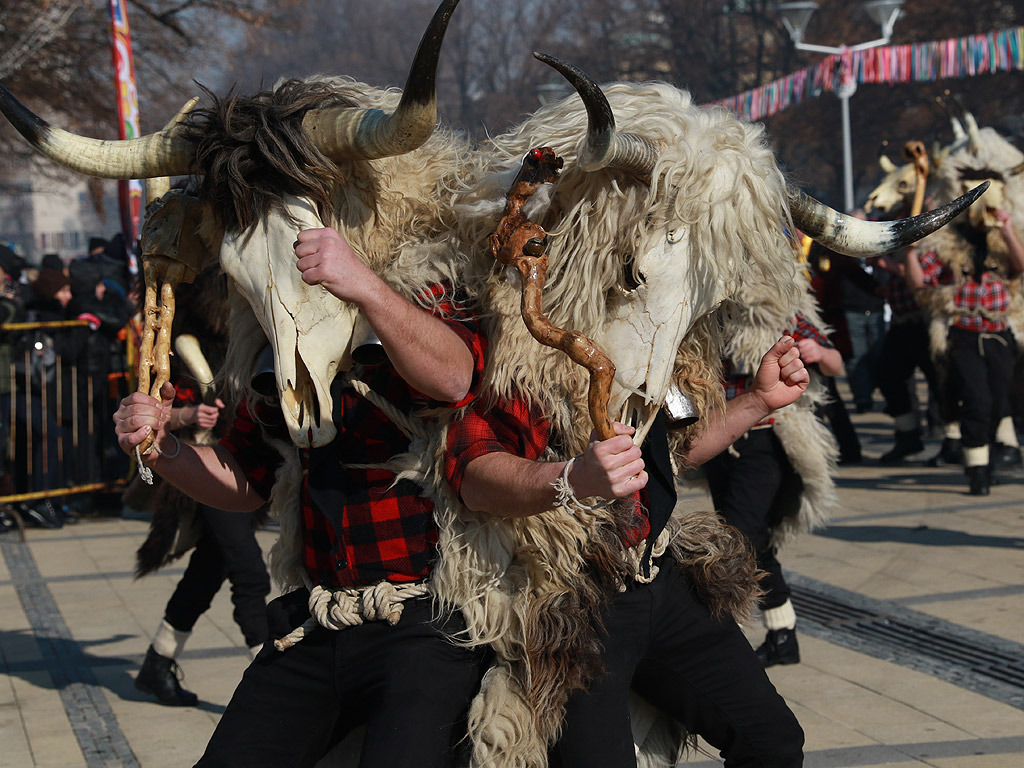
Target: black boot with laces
x: 779, y: 647
x: 159, y: 677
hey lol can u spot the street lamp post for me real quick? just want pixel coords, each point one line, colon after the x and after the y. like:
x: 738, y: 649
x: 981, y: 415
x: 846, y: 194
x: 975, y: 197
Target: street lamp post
x: 795, y: 16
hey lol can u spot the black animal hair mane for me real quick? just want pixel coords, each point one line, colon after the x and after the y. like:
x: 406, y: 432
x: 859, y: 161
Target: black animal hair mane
x: 252, y: 151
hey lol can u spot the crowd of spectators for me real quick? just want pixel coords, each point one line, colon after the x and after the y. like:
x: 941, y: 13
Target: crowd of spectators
x: 58, y: 383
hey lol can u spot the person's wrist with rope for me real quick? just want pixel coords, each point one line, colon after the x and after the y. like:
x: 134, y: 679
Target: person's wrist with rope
x: 140, y: 414
x: 609, y: 469
x: 505, y: 484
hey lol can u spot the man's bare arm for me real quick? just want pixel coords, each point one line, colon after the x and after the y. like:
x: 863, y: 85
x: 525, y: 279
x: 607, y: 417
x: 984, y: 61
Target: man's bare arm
x: 913, y: 272
x: 780, y: 380
x: 207, y: 473
x: 426, y: 353
x: 511, y: 486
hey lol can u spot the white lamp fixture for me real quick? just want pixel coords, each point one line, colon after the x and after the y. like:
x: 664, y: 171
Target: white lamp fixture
x: 884, y: 13
x: 795, y: 17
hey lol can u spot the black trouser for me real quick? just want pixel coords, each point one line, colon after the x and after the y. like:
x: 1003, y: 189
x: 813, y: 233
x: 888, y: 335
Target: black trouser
x: 698, y: 669
x: 982, y: 365
x: 839, y: 420
x: 745, y: 490
x: 906, y: 348
x: 409, y: 684
x: 228, y: 549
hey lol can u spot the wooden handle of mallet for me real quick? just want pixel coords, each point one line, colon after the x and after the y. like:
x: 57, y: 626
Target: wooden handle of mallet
x: 915, y: 152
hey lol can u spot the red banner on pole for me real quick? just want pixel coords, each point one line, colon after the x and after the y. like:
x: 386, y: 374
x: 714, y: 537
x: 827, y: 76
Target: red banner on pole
x: 129, y: 192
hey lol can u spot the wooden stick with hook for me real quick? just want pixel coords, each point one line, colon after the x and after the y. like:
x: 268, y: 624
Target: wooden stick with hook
x: 520, y: 243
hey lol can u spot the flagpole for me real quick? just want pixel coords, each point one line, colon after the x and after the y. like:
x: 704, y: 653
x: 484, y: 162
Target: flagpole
x: 130, y: 191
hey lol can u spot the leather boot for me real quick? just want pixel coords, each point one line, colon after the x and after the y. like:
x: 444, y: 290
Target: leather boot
x: 979, y: 480
x: 951, y: 452
x: 1006, y: 456
x: 42, y: 514
x: 159, y: 677
x: 779, y: 647
x: 907, y: 444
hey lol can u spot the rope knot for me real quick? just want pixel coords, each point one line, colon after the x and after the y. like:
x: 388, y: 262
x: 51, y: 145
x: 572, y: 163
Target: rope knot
x: 382, y: 603
x: 351, y: 606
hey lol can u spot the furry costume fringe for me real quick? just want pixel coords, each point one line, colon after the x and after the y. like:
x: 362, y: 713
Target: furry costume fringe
x: 173, y: 531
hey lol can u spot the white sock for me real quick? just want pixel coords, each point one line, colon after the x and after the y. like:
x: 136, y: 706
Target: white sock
x: 1006, y: 434
x: 952, y: 430
x: 976, y: 456
x: 169, y: 641
x: 782, y: 617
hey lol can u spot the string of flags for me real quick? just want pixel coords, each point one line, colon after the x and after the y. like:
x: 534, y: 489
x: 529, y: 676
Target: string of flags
x: 999, y: 51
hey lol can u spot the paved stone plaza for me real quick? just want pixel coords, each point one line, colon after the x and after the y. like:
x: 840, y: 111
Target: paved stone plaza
x: 911, y: 630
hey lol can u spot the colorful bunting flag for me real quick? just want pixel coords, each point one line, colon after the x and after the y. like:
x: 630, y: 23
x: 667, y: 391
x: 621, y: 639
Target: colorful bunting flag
x: 1000, y: 51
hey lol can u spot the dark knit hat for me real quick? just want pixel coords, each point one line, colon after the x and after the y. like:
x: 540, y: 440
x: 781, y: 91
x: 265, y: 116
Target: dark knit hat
x: 49, y: 282
x: 10, y: 262
x: 97, y: 243
x: 51, y: 261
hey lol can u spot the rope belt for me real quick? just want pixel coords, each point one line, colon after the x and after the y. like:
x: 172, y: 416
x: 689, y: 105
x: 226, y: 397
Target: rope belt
x: 981, y: 341
x: 635, y: 556
x: 351, y: 606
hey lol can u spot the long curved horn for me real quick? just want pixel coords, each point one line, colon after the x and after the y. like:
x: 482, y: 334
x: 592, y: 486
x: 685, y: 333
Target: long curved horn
x: 973, y: 133
x: 167, y: 153
x: 855, y: 237
x: 605, y: 147
x: 344, y: 133
x: 158, y: 186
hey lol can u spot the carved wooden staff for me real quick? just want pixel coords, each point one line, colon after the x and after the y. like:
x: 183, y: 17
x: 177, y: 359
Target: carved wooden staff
x: 520, y: 243
x: 171, y: 255
x: 915, y: 152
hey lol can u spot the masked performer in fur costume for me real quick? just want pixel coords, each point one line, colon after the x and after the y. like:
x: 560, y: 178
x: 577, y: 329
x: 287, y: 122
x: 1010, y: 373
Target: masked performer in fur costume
x: 659, y: 636
x: 650, y: 231
x: 777, y: 477
x: 969, y: 278
x: 223, y: 544
x: 336, y: 453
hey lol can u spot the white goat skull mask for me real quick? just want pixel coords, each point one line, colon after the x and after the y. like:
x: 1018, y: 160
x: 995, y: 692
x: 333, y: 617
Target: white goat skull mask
x: 981, y: 211
x: 646, y: 326
x: 309, y: 329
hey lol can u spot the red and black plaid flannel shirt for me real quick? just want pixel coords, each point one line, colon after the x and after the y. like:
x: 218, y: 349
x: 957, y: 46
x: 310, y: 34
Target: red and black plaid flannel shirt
x: 990, y: 293
x: 510, y: 426
x: 901, y: 298
x: 388, y: 531
x: 186, y: 392
x: 737, y: 383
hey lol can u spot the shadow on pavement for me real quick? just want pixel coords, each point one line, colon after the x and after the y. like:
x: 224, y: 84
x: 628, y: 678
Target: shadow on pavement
x: 67, y: 662
x: 921, y: 534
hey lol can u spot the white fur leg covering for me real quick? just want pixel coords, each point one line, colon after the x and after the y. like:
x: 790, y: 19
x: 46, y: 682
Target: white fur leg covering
x: 783, y: 617
x: 976, y: 456
x: 952, y: 430
x: 907, y: 422
x: 1006, y: 434
x: 502, y: 727
x: 169, y: 641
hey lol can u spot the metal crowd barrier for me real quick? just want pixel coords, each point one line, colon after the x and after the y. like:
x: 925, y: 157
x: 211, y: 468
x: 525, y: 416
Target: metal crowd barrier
x: 56, y: 433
